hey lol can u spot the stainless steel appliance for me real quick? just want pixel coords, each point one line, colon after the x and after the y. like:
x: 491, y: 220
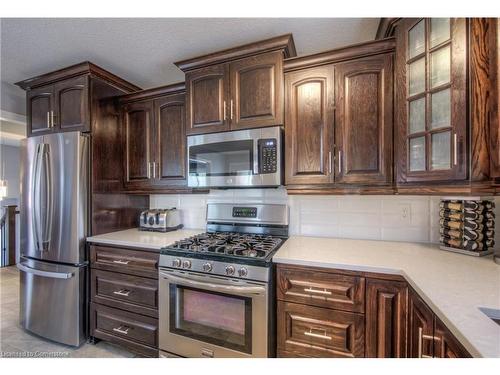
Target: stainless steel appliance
x: 216, y: 291
x: 242, y: 158
x: 54, y: 224
x: 160, y: 220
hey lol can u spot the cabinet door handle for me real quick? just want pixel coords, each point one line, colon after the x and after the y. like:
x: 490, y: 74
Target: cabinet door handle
x: 231, y: 109
x: 329, y: 162
x: 119, y: 261
x: 122, y: 292
x: 154, y: 169
x: 340, y: 161
x: 455, y: 149
x: 224, y: 110
x: 323, y: 336
x: 318, y: 291
x: 48, y: 119
x: 52, y: 124
x: 421, y: 338
x: 122, y: 329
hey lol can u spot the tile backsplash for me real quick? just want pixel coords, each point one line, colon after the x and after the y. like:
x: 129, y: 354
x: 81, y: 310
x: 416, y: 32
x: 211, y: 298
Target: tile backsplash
x: 388, y: 218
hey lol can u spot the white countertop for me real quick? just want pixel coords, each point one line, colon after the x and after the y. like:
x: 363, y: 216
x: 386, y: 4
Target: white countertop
x: 453, y: 285
x: 142, y: 239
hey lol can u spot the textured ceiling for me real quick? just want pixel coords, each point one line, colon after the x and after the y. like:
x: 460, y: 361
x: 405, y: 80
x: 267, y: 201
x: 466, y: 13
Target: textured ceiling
x: 142, y: 50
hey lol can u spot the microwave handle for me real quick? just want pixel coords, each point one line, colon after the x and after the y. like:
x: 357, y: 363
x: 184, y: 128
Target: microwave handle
x: 256, y: 156
x: 241, y: 290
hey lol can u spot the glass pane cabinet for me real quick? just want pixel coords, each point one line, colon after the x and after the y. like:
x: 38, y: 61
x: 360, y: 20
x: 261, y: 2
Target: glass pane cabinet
x: 431, y: 100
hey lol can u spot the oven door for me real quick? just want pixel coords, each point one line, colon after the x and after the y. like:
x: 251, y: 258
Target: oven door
x: 232, y: 159
x: 212, y: 316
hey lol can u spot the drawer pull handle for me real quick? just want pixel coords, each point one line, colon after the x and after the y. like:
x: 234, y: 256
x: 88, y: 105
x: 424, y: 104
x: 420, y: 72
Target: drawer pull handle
x: 125, y: 262
x: 317, y: 291
x: 122, y: 292
x: 317, y: 335
x: 122, y: 329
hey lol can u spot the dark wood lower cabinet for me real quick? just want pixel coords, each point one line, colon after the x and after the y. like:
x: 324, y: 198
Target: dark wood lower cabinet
x: 386, y: 318
x: 319, y: 332
x: 124, y: 298
x: 395, y: 321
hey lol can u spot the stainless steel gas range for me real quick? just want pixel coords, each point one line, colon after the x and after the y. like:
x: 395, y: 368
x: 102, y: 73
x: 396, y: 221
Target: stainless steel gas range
x: 216, y: 288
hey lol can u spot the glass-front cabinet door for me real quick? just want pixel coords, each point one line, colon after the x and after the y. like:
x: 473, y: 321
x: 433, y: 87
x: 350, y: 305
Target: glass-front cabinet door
x: 431, y: 99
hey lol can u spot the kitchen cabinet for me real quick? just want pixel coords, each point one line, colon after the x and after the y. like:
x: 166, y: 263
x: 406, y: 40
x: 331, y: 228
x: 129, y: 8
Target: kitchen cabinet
x: 154, y: 138
x: 494, y: 63
x: 309, y: 119
x: 428, y: 337
x: 325, y: 312
x: 386, y: 318
x: 40, y: 102
x: 338, y: 120
x: 363, y: 122
x: 238, y: 88
x: 124, y: 298
x: 431, y: 100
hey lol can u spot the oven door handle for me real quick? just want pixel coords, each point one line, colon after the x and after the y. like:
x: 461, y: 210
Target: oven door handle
x: 241, y: 290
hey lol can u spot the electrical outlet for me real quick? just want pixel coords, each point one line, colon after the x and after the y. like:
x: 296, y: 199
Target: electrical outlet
x: 405, y: 212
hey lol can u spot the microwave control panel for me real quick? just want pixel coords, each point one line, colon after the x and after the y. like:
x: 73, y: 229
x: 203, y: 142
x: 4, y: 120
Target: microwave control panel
x: 268, y: 155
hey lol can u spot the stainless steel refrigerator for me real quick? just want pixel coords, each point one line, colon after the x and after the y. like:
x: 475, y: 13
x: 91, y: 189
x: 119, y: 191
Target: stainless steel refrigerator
x: 54, y: 225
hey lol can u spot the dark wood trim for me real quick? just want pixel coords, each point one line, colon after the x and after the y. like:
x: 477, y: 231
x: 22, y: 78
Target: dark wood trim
x: 153, y: 93
x: 282, y: 42
x: 340, y: 190
x: 386, y: 27
x: 466, y: 188
x: 353, y: 51
x: 85, y: 67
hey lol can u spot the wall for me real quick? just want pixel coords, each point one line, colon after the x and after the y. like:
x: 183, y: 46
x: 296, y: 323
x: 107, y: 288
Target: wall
x: 388, y: 218
x: 9, y: 170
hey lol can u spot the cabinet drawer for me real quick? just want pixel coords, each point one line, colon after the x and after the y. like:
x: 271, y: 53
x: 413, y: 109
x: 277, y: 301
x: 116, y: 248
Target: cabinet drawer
x: 319, y: 332
x: 131, y: 293
x: 320, y: 288
x: 133, y: 262
x: 124, y: 325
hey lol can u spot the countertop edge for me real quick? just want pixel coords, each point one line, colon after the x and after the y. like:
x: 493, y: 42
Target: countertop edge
x: 392, y: 271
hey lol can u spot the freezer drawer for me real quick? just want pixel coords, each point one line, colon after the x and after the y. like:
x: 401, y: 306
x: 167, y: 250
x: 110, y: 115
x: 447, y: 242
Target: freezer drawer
x: 52, y: 301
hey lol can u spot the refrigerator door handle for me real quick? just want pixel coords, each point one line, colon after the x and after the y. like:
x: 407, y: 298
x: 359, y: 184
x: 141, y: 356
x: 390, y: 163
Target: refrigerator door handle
x: 35, y: 191
x: 54, y: 275
x: 47, y: 224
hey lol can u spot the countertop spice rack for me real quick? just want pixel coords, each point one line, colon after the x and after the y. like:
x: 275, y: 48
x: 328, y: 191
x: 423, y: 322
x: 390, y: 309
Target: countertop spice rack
x: 467, y: 225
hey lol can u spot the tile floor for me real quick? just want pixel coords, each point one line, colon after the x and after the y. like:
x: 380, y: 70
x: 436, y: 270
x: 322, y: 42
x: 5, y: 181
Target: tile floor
x: 15, y: 342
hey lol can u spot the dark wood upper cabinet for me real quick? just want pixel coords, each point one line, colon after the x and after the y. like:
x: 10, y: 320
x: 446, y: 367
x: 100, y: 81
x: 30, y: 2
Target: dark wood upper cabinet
x: 420, y: 328
x: 386, y: 318
x: 494, y: 63
x: 309, y: 122
x: 39, y: 104
x: 71, y: 104
x: 256, y: 91
x: 237, y: 88
x: 431, y: 100
x: 154, y: 139
x: 138, y: 136
x: 64, y: 100
x: 207, y: 93
x: 363, y: 122
x: 170, y: 150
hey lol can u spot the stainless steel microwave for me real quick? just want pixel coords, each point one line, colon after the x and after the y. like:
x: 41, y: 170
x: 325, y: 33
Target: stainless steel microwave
x: 241, y: 158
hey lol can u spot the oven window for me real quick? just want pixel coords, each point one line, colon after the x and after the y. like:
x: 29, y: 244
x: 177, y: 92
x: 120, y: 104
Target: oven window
x: 217, y: 318
x: 222, y: 159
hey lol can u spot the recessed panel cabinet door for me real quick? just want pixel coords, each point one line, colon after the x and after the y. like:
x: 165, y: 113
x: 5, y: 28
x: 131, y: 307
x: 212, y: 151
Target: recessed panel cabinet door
x: 446, y: 345
x: 363, y: 134
x: 40, y: 101
x: 420, y: 328
x: 309, y: 116
x: 138, y: 133
x: 206, y: 92
x: 71, y: 97
x: 386, y: 318
x: 256, y: 91
x: 170, y: 147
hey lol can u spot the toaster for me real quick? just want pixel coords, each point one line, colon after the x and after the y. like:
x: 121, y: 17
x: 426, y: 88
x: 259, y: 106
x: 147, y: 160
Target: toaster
x: 160, y: 220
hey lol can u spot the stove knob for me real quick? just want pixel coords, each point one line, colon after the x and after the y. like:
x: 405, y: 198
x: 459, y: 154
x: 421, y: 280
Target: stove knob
x: 186, y: 264
x: 207, y: 267
x: 176, y: 263
x: 229, y: 270
x: 242, y: 272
